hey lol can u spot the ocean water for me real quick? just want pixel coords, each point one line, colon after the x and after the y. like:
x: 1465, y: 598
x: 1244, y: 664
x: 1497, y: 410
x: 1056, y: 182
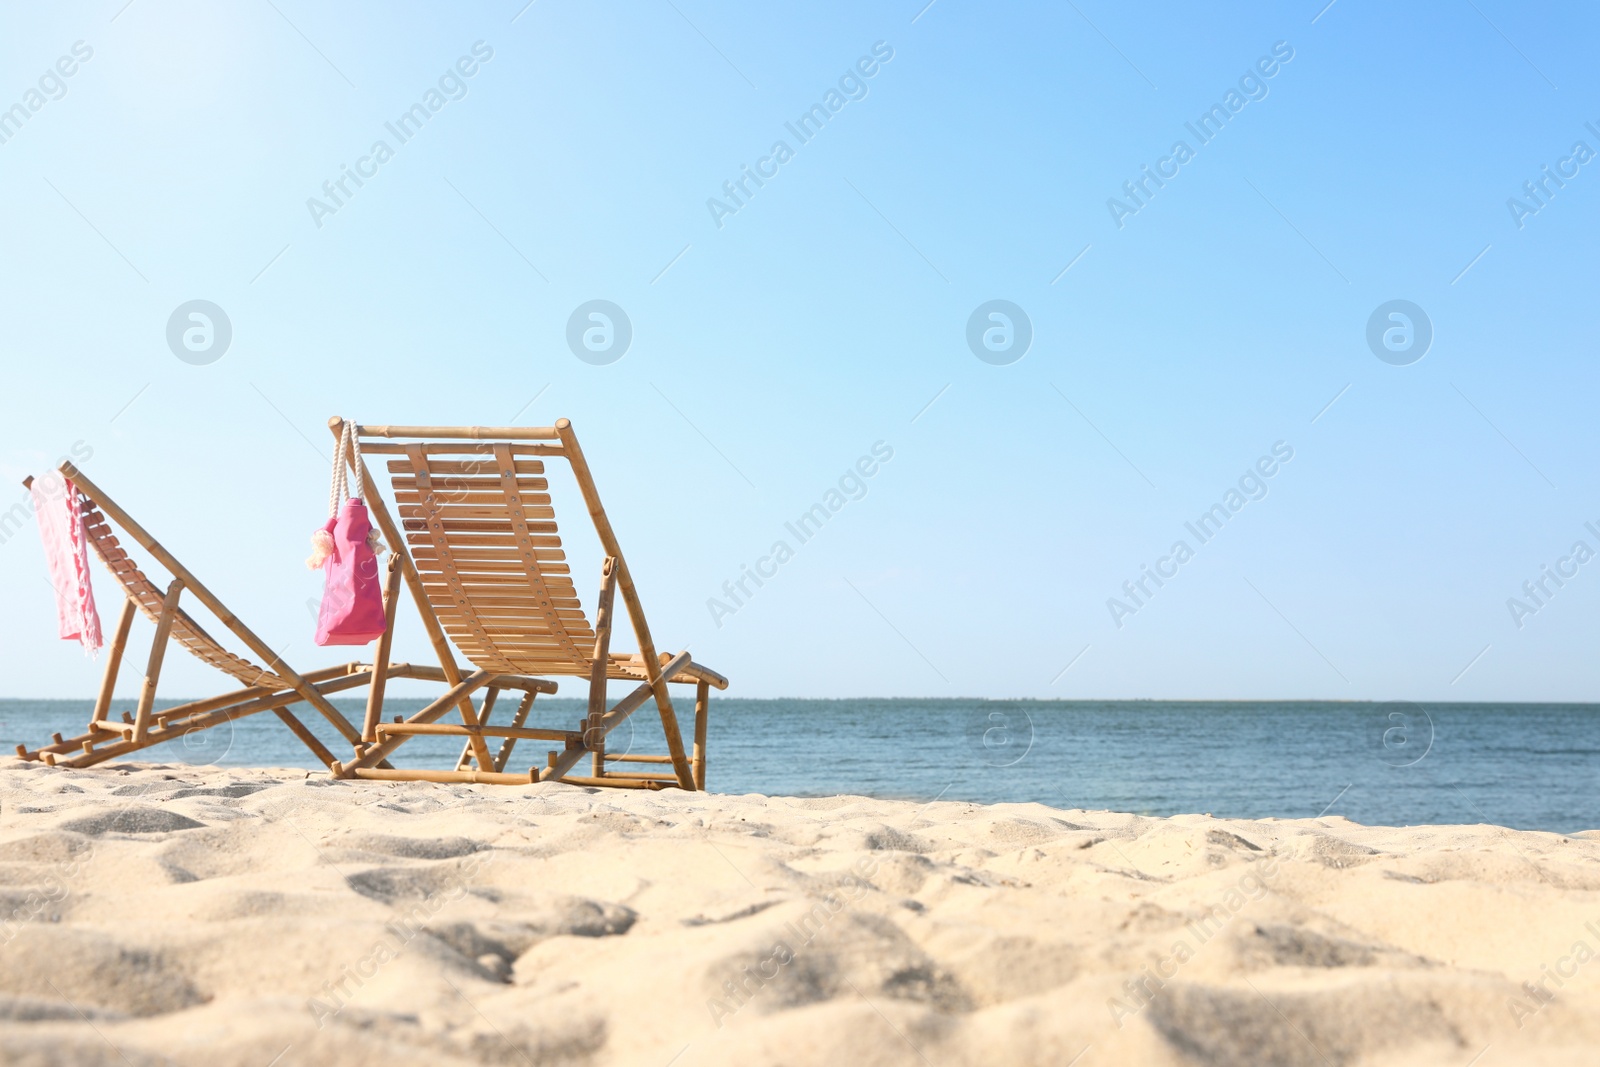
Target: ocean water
x: 1526, y: 766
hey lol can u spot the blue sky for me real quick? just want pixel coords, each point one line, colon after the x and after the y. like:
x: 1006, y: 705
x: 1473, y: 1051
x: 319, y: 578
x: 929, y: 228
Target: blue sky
x: 829, y: 313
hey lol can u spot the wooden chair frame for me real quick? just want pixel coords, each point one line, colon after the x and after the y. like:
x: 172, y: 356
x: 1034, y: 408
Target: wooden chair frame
x: 495, y: 454
x: 272, y: 688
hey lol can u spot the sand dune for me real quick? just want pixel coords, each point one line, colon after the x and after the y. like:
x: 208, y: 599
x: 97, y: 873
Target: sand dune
x: 156, y: 913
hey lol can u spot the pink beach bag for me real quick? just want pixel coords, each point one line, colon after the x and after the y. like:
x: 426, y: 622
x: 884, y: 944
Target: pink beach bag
x: 346, y: 548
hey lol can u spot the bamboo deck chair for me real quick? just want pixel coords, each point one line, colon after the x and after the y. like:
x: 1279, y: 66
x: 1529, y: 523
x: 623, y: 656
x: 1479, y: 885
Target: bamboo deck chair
x: 479, y: 548
x: 271, y: 688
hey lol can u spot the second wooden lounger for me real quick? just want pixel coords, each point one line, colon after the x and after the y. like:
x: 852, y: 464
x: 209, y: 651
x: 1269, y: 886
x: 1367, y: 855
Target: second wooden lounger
x: 479, y: 548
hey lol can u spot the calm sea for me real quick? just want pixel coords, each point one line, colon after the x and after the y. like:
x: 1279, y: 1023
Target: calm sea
x: 1528, y: 766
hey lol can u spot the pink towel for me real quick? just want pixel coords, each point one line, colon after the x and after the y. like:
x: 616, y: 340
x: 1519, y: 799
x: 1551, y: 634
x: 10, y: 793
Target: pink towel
x: 66, y: 553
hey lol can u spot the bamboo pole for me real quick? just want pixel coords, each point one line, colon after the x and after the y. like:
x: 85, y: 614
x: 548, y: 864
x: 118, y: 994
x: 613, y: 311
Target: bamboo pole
x: 504, y: 755
x: 594, y: 737
x: 197, y: 722
x: 469, y: 777
x: 194, y: 707
x: 634, y: 700
x: 387, y: 448
x: 451, y: 729
x: 158, y: 652
x: 617, y: 782
x: 502, y: 681
x: 397, y: 544
x: 380, y: 662
x: 461, y: 691
x: 111, y: 728
x: 561, y: 763
x: 702, y: 709
x: 627, y: 758
x: 274, y: 662
x: 464, y: 433
x: 564, y: 761
x: 700, y: 673
x: 188, y: 712
x: 307, y: 738
x: 108, y: 680
x: 630, y: 597
x: 489, y: 698
x: 475, y: 742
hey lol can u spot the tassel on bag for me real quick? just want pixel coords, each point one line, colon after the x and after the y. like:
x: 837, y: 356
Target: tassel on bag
x: 321, y: 548
x: 346, y: 549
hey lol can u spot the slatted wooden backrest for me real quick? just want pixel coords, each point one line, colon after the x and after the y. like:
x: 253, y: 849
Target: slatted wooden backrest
x: 479, y: 525
x: 144, y: 593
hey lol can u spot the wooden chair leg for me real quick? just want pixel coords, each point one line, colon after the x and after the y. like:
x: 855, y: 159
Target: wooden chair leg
x: 594, y: 736
x: 108, y: 680
x: 563, y: 762
x: 630, y: 599
x: 375, y: 754
x: 669, y: 726
x: 463, y: 760
x: 504, y: 755
x: 307, y: 738
x: 702, y: 701
x: 475, y: 742
x: 158, y: 652
x: 380, y: 665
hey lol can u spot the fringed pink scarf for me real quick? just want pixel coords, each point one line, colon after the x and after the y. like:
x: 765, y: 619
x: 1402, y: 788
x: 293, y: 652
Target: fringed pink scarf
x: 66, y: 553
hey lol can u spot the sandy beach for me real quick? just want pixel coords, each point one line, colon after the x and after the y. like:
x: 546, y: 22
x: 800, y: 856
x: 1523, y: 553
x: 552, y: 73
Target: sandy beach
x: 159, y: 913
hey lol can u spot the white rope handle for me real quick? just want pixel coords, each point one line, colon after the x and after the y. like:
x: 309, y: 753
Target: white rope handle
x: 339, y: 488
x: 350, y: 449
x: 355, y: 455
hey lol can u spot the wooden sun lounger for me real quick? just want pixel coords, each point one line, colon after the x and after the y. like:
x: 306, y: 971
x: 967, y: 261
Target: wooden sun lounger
x: 271, y: 688
x: 479, y: 549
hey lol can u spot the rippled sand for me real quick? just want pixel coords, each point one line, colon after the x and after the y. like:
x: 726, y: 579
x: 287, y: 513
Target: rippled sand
x: 152, y: 913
